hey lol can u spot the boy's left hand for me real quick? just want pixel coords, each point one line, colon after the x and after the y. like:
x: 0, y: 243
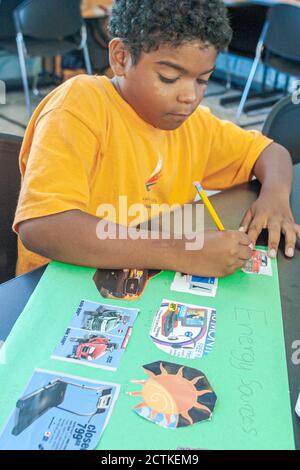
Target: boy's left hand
x: 272, y: 212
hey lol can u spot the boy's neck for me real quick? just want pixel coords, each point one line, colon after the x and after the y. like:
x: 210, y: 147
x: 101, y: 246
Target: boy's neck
x: 117, y: 87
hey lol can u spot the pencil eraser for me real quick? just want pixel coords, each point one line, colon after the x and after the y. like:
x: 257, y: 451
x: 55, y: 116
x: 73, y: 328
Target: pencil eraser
x: 297, y: 409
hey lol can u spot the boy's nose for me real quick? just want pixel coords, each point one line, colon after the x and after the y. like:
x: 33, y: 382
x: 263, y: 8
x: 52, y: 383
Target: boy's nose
x: 190, y: 95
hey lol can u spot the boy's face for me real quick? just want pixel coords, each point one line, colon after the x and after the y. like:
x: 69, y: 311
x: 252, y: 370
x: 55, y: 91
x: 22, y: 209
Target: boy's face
x: 165, y: 86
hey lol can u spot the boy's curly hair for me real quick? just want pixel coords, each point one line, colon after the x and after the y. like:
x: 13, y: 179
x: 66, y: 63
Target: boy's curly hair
x: 144, y: 25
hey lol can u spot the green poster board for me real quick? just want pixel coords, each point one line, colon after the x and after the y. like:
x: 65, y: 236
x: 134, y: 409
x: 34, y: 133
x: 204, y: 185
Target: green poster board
x: 247, y: 367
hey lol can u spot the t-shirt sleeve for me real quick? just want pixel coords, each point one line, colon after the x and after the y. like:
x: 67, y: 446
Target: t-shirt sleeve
x: 61, y: 159
x: 232, y: 155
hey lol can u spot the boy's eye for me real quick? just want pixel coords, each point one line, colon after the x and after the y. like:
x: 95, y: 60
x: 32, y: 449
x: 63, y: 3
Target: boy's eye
x: 173, y: 80
x: 167, y: 80
x: 202, y: 82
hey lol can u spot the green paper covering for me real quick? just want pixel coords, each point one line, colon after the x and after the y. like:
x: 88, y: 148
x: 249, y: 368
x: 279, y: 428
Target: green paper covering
x: 246, y: 368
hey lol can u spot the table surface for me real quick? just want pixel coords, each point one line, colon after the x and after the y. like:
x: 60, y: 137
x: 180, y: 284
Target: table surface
x: 232, y: 204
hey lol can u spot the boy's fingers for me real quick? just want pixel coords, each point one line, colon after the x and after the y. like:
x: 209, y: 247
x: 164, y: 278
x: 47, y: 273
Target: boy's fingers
x: 290, y: 239
x: 244, y: 239
x: 274, y: 230
x: 245, y: 253
x: 255, y: 229
x: 241, y: 263
x: 246, y: 221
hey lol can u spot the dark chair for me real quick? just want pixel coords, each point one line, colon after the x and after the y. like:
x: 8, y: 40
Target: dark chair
x: 42, y: 28
x: 8, y: 35
x: 9, y: 190
x: 278, y: 46
x: 283, y: 124
x: 7, y: 25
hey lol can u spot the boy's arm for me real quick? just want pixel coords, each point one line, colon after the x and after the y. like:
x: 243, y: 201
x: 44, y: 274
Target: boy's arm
x: 71, y: 237
x: 271, y: 210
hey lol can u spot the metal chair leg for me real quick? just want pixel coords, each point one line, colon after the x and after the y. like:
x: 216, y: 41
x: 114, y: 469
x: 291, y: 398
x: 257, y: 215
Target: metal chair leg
x: 256, y: 61
x: 87, y: 60
x: 228, y: 72
x: 36, y: 75
x: 84, y: 48
x: 35, y: 89
x: 247, y: 89
x: 21, y: 54
x: 2, y: 92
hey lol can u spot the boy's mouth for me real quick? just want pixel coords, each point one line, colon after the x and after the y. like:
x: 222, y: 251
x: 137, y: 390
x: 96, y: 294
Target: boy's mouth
x: 179, y: 116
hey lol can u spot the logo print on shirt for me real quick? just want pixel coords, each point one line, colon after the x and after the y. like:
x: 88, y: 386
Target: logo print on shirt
x: 155, y: 175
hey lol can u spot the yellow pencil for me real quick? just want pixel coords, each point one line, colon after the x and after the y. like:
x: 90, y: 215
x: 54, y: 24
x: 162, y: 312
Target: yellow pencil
x: 209, y: 206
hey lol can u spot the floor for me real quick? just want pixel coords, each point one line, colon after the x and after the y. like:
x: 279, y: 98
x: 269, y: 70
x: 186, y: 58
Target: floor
x: 14, y: 110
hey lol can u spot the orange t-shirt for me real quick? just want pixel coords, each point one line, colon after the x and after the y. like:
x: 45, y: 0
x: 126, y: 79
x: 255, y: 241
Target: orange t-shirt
x: 86, y: 146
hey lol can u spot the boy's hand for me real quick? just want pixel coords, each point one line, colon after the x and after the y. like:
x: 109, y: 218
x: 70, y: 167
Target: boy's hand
x: 222, y: 254
x: 272, y: 212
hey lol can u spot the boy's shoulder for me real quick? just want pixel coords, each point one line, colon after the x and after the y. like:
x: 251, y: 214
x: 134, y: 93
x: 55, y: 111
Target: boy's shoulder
x: 84, y: 96
x: 84, y: 84
x: 87, y: 91
x: 81, y: 86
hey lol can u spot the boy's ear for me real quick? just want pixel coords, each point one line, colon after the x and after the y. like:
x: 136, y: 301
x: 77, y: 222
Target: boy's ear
x: 119, y: 56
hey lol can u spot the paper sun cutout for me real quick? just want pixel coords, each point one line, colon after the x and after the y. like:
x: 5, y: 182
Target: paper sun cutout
x: 174, y: 396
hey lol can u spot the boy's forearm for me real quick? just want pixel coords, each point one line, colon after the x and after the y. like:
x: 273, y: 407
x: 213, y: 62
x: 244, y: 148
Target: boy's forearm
x: 71, y: 237
x: 274, y: 170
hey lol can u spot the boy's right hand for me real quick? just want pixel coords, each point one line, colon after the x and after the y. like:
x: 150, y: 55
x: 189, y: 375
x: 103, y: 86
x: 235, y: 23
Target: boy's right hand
x: 222, y: 254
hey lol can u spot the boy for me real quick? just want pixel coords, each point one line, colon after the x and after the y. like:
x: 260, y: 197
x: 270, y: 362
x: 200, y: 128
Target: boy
x: 142, y: 135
